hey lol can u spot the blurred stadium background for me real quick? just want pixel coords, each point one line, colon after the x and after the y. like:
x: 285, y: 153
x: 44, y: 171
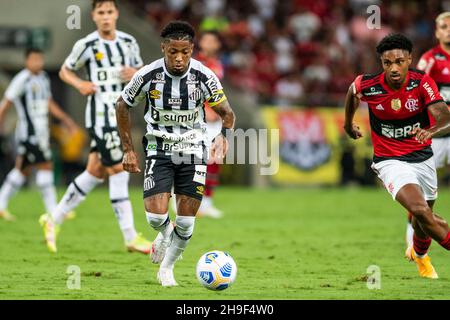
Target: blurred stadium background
x: 287, y: 65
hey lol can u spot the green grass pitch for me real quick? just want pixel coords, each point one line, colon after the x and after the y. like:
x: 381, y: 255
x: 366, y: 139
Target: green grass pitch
x: 287, y: 243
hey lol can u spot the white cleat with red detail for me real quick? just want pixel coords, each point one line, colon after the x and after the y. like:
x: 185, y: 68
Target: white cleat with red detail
x: 166, y: 278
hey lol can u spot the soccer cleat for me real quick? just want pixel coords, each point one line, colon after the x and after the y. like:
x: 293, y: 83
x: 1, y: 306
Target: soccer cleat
x: 209, y: 211
x: 160, y: 245
x: 70, y: 215
x: 6, y: 215
x: 50, y: 231
x: 426, y: 269
x: 139, y: 244
x: 166, y: 278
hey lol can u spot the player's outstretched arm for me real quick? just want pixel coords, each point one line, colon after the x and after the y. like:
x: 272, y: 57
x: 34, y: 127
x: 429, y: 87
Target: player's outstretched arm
x: 219, y: 146
x: 86, y: 88
x: 56, y: 111
x: 351, y: 104
x: 440, y: 113
x: 130, y: 161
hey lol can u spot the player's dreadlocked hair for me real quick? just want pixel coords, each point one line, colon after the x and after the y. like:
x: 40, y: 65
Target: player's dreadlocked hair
x: 178, y: 30
x: 394, y: 41
x: 96, y: 2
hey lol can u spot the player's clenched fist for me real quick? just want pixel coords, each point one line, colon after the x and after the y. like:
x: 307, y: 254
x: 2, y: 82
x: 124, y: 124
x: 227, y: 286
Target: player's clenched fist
x: 130, y: 162
x: 86, y: 88
x: 422, y: 135
x: 353, y: 131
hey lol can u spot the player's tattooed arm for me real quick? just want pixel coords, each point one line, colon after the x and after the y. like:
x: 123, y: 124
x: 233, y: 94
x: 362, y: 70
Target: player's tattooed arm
x: 351, y: 105
x: 224, y: 110
x: 130, y: 161
x: 219, y: 146
x: 441, y: 114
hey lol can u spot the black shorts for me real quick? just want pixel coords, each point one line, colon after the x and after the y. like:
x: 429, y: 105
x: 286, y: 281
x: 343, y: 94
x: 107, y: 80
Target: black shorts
x: 33, y: 153
x: 161, y: 173
x: 106, y: 141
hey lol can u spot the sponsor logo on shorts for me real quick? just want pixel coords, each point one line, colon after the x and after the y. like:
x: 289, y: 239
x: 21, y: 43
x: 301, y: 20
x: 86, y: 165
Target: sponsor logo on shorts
x: 200, y: 190
x: 390, y: 187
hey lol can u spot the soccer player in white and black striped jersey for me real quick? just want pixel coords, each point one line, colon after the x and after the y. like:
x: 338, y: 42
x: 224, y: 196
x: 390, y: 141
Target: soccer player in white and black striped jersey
x: 30, y: 93
x: 173, y: 89
x: 110, y: 58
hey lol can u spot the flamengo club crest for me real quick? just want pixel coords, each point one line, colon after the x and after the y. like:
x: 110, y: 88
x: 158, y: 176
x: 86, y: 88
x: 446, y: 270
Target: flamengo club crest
x: 396, y: 104
x: 412, y: 104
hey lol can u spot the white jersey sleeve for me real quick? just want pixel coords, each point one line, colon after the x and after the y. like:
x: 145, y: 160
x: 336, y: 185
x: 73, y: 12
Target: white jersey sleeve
x: 212, y: 88
x: 17, y: 86
x: 78, y: 56
x: 134, y: 91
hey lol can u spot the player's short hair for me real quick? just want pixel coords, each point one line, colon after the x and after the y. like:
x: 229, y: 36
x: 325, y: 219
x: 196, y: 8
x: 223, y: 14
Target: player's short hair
x: 441, y: 16
x: 394, y: 41
x: 29, y: 51
x: 97, y: 2
x: 178, y: 30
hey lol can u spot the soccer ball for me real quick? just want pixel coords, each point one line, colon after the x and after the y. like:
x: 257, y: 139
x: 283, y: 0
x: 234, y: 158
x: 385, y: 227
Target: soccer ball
x: 216, y: 270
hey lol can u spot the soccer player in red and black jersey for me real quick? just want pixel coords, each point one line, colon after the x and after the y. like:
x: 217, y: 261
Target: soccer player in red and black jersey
x: 400, y: 102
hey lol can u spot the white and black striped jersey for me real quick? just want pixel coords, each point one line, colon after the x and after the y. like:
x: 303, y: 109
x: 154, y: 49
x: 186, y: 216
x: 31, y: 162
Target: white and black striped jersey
x: 174, y: 106
x: 103, y: 61
x: 30, y: 94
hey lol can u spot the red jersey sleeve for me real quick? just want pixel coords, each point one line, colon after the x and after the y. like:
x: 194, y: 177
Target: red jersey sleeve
x: 357, y: 87
x: 426, y: 62
x: 429, y: 91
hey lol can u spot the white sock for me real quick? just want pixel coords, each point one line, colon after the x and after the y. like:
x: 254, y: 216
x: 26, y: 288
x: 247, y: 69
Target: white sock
x: 75, y: 194
x: 118, y: 193
x: 159, y: 222
x: 44, y: 180
x: 180, y: 239
x: 409, y: 234
x: 13, y: 182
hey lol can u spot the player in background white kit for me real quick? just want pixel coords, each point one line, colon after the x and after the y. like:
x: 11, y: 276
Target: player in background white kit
x: 30, y: 93
x: 110, y: 58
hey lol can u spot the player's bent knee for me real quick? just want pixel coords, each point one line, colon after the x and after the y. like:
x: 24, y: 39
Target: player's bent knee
x: 421, y: 212
x: 184, y: 226
x: 158, y: 203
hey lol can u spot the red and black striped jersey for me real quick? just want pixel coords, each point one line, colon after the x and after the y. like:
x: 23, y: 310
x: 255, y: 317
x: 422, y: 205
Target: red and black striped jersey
x: 395, y: 113
x: 436, y: 63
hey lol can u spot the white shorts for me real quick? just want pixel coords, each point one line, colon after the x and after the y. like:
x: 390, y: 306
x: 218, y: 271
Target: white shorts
x: 395, y: 174
x: 441, y: 150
